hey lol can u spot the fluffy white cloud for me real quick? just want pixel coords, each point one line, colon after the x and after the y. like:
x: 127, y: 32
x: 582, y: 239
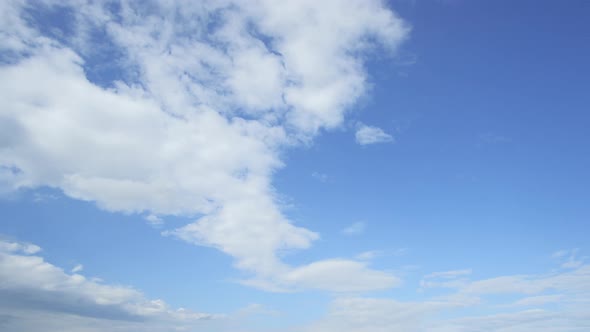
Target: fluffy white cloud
x: 190, y: 118
x: 13, y: 246
x: 366, y: 135
x: 154, y: 220
x: 335, y: 275
x: 31, y: 288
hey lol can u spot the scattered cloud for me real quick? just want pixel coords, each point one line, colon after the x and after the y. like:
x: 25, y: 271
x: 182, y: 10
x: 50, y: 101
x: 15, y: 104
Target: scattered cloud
x: 569, y: 258
x: 366, y: 135
x: 567, y: 290
x: 371, y: 254
x: 536, y: 301
x: 77, y: 268
x: 41, y: 197
x: 154, y: 220
x: 18, y: 247
x: 32, y: 288
x: 355, y: 229
x: 193, y: 116
x: 560, y: 253
x: 257, y: 309
x: 356, y: 314
x: 445, y: 279
x: 333, y: 275
x: 448, y: 274
x: 573, y: 282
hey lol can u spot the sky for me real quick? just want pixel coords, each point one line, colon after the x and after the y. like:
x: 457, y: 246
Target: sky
x: 299, y: 166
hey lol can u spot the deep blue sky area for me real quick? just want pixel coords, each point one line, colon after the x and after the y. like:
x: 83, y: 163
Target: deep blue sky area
x: 491, y: 136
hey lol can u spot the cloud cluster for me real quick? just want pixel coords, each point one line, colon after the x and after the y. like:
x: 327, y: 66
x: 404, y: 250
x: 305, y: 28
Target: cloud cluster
x: 35, y: 295
x: 549, y: 302
x: 184, y: 108
x: 34, y: 292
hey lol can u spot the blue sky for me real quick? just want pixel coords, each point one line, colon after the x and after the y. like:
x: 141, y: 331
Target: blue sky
x: 304, y: 166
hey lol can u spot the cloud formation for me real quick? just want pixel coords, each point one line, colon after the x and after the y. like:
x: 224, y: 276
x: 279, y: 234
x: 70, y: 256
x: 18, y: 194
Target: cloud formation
x: 550, y: 302
x: 31, y: 288
x: 184, y: 108
x: 366, y: 135
x: 37, y: 295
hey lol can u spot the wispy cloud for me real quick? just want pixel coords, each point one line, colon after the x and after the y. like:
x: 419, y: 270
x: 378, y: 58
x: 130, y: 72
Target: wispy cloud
x: 371, y: 254
x: 77, y: 268
x: 368, y: 255
x: 366, y: 135
x: 445, y: 279
x: 154, y: 220
x: 568, y: 289
x: 449, y: 274
x: 569, y: 258
x: 322, y: 177
x: 42, y: 197
x: 536, y: 301
x: 355, y: 228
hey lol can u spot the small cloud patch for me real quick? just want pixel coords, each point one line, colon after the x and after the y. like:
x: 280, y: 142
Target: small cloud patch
x: 366, y: 135
x: 355, y: 229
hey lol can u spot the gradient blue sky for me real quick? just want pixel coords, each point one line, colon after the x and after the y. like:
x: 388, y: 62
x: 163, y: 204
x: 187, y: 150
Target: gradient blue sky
x: 306, y: 166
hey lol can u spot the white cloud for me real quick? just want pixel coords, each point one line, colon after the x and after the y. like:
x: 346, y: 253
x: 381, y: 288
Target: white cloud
x: 371, y: 254
x: 560, y: 253
x: 523, y: 321
x: 339, y: 275
x: 18, y: 247
x: 448, y: 274
x: 40, y: 197
x: 334, y: 275
x: 195, y: 121
x: 355, y: 229
x: 30, y: 288
x: 540, y: 300
x: 569, y: 258
x: 559, y: 301
x: 368, y: 255
x: 377, y: 315
x: 154, y: 220
x: 445, y: 279
x: 380, y: 315
x: 572, y: 283
x: 366, y: 135
x: 77, y: 268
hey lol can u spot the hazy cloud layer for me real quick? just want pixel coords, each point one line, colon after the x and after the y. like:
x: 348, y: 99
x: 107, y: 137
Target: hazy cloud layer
x: 550, y: 302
